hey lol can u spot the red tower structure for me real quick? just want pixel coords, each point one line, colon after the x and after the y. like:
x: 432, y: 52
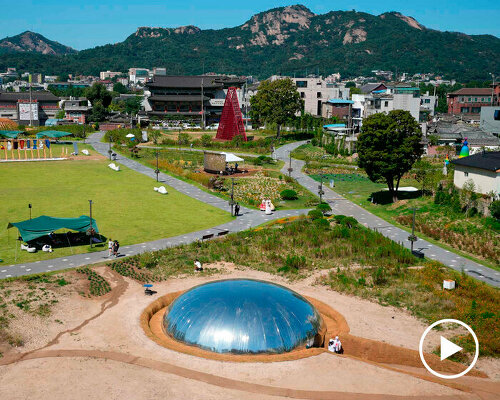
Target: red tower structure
x: 231, y: 121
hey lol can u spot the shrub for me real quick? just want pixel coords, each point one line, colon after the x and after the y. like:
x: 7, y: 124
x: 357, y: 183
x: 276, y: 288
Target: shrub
x: 322, y: 223
x: 289, y: 194
x: 183, y: 139
x: 348, y: 222
x: 315, y: 214
x: 495, y: 209
x: 206, y: 140
x: 324, y: 208
x: 294, y: 262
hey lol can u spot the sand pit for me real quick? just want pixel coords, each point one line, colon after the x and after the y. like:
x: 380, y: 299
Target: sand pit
x: 108, y: 355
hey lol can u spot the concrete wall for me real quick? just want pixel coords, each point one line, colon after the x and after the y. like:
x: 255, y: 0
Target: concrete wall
x: 408, y: 103
x: 487, y: 119
x: 485, y: 181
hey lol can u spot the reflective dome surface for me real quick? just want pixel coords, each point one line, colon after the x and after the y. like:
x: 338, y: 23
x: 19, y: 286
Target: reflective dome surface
x: 242, y: 316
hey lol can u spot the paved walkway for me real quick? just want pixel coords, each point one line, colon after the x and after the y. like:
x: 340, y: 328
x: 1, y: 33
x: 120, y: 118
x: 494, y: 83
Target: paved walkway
x: 340, y: 205
x: 251, y: 218
x: 247, y: 219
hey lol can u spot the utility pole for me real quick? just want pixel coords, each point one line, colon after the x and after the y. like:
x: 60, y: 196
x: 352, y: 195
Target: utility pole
x: 202, y: 107
x: 31, y: 110
x: 246, y: 107
x: 290, y: 169
x: 91, y: 228
x: 492, y: 88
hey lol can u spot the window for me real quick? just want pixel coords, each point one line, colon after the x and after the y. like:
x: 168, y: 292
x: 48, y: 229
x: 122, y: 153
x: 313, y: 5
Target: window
x: 475, y: 99
x: 470, y: 99
x: 476, y: 110
x: 464, y: 109
x: 318, y: 95
x: 466, y: 174
x: 302, y: 95
x: 301, y: 84
x: 496, y: 115
x: 386, y: 104
x: 462, y: 99
x: 427, y: 101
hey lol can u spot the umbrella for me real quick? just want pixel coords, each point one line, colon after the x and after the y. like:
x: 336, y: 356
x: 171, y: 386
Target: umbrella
x: 148, y: 285
x: 230, y: 157
x: 130, y: 135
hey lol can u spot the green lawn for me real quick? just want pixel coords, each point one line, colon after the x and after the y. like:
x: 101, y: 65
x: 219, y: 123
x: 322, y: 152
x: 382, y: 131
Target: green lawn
x: 124, y: 204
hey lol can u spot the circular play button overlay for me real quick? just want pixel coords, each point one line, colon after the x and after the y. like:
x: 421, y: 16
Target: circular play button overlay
x: 448, y: 348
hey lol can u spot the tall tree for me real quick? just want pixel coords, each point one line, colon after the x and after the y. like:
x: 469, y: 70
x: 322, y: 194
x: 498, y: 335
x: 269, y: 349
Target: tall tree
x: 98, y: 92
x: 276, y: 102
x: 388, y: 146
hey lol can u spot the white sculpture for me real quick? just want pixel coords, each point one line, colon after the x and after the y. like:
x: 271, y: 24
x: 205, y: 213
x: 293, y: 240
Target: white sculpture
x: 161, y: 190
x: 47, y: 248
x: 86, y: 152
x: 114, y: 167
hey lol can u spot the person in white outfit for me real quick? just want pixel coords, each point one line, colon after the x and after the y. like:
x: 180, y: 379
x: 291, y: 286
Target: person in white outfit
x: 268, y: 207
x: 110, y: 247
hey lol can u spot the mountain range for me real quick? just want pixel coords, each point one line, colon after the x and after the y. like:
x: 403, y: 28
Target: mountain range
x: 287, y: 40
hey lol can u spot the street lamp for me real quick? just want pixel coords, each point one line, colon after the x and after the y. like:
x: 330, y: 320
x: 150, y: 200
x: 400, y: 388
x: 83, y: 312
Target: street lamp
x: 290, y: 169
x: 157, y: 171
x: 91, y: 231
x: 29, y: 206
x: 320, y: 189
x: 231, y: 202
x: 412, y: 238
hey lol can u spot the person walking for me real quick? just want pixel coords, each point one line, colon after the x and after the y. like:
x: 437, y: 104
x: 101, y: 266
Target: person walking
x: 116, y: 246
x: 110, y: 247
x: 237, y: 209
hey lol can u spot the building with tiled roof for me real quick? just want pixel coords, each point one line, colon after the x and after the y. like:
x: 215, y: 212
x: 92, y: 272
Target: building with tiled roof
x: 16, y: 106
x: 468, y: 101
x: 482, y: 168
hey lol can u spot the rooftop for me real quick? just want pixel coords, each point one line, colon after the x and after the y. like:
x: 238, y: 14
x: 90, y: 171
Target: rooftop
x: 488, y: 160
x: 39, y: 96
x: 472, y: 92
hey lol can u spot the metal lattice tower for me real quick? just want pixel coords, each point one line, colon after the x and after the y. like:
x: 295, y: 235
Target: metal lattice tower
x: 231, y: 121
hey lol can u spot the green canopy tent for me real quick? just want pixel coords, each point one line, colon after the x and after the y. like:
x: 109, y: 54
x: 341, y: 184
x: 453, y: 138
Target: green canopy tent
x: 37, y: 227
x: 10, y: 134
x: 52, y: 134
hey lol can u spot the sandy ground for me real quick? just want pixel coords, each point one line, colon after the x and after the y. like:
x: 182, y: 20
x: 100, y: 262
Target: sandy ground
x: 114, y: 327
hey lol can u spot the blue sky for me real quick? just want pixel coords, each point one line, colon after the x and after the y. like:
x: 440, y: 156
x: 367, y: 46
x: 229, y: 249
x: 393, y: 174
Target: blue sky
x: 84, y: 24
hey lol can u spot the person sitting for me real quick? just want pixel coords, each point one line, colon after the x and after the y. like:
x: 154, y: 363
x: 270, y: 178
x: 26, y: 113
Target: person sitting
x: 197, y: 265
x: 337, y: 346
x: 331, y: 346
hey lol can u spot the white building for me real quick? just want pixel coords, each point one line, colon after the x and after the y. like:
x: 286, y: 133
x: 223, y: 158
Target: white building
x: 315, y: 91
x: 103, y: 75
x: 483, y: 169
x: 490, y: 119
x: 138, y: 75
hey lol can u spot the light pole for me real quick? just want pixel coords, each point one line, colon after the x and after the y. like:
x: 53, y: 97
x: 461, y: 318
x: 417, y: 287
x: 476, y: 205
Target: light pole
x: 412, y: 238
x: 29, y: 206
x: 91, y: 228
x: 157, y: 171
x: 492, y: 87
x: 231, y: 202
x: 320, y: 189
x: 290, y: 169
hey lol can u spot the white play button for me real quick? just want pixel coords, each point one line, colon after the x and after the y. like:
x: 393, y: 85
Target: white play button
x: 448, y: 348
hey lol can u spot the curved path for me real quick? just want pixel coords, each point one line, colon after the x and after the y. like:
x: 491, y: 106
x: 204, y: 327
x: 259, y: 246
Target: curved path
x: 248, y: 218
x: 341, y: 205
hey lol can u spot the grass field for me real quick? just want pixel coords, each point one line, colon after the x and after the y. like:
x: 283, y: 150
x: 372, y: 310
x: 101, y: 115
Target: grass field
x: 124, y: 204
x: 475, y: 237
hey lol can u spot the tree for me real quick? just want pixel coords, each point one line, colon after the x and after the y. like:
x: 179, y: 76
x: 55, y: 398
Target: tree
x: 120, y: 88
x: 61, y: 114
x: 276, y: 102
x: 133, y: 105
x: 388, y: 146
x: 354, y: 90
x: 98, y: 112
x: 427, y: 175
x: 98, y: 93
x: 350, y: 84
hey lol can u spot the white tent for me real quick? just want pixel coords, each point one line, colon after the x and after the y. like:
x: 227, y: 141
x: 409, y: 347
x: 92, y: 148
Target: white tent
x: 230, y: 157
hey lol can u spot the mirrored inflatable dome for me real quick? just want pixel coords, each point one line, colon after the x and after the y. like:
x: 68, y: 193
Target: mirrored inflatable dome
x: 243, y: 316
